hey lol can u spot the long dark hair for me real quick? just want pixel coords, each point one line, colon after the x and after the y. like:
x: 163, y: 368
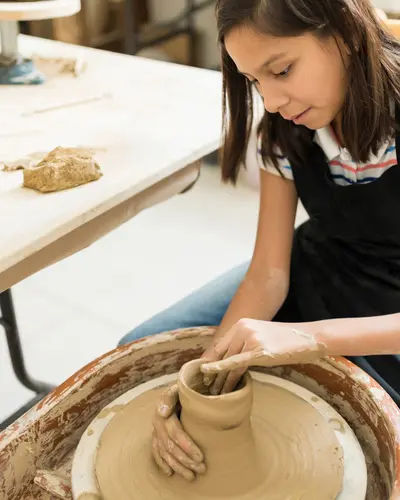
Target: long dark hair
x: 374, y: 77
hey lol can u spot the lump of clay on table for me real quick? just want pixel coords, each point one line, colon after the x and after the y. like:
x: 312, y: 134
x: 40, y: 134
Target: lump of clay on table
x: 62, y: 168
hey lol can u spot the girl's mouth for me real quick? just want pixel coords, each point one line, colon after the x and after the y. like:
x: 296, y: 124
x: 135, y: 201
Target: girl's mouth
x: 299, y: 118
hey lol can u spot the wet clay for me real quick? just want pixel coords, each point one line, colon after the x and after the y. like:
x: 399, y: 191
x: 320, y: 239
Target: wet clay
x: 260, y: 442
x: 62, y: 168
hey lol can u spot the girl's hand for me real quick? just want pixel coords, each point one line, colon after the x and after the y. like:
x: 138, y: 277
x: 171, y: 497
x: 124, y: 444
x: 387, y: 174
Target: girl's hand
x: 173, y: 450
x: 258, y: 343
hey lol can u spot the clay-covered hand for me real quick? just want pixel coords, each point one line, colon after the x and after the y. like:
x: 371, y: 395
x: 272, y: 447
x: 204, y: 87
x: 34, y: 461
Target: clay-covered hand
x: 173, y: 450
x: 253, y: 342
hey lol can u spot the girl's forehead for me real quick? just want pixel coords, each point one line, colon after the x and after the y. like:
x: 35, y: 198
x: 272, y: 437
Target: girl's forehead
x: 245, y: 45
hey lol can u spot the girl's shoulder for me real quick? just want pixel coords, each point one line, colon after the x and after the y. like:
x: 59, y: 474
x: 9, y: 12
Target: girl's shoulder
x: 284, y: 168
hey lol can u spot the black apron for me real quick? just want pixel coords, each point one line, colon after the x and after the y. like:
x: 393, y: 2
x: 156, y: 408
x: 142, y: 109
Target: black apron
x: 346, y: 257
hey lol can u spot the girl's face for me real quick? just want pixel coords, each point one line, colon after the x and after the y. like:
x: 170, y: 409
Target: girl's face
x: 303, y: 78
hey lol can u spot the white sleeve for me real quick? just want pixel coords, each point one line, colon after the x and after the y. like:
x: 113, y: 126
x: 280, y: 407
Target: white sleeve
x: 254, y: 159
x: 284, y: 168
x: 283, y: 165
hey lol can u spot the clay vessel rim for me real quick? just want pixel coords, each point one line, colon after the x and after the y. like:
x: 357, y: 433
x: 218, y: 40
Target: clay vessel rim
x: 237, y: 394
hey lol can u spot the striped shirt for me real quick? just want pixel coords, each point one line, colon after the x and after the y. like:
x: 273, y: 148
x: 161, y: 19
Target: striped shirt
x: 344, y: 170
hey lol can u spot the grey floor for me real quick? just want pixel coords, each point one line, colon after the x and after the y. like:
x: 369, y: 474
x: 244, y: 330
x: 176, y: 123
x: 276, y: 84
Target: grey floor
x: 78, y: 309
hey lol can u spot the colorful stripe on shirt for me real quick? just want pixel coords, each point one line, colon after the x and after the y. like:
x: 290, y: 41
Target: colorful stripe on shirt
x: 346, y: 172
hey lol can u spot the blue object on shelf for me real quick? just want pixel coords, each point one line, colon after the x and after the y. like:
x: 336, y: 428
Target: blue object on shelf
x: 22, y: 72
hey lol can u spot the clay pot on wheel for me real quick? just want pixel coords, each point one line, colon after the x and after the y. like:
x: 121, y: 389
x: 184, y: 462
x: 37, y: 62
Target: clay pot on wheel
x: 252, y: 448
x: 220, y: 425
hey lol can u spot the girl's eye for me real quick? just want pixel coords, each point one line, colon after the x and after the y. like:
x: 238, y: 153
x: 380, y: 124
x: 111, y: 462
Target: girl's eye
x: 285, y: 72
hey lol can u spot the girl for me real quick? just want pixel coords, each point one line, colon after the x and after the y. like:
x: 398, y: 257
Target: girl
x: 329, y: 76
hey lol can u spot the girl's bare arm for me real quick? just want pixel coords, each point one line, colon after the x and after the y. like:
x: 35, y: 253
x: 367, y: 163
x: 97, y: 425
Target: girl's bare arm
x: 266, y: 283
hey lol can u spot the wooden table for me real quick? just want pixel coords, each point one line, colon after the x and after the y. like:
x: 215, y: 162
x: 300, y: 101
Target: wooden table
x: 150, y: 123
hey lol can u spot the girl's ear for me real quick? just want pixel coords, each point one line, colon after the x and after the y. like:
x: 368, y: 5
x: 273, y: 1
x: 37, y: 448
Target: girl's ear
x: 344, y: 47
x: 347, y: 48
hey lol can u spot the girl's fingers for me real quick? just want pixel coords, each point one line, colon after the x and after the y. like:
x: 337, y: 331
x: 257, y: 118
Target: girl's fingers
x: 170, y: 432
x: 233, y: 376
x: 238, y: 361
x: 232, y: 379
x: 168, y: 401
x: 163, y: 466
x: 179, y: 436
x: 208, y: 356
x: 217, y: 349
x: 161, y: 432
x: 235, y: 346
x: 213, y: 353
x: 180, y: 456
x: 226, y: 347
x: 209, y: 379
x: 164, y: 445
x: 175, y: 465
x: 218, y: 383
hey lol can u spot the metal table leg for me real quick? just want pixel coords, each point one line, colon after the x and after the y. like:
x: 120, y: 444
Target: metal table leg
x: 9, y: 322
x: 9, y: 39
x: 14, y: 69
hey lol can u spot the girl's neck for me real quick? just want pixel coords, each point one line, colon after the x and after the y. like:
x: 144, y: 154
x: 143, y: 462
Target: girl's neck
x: 337, y: 130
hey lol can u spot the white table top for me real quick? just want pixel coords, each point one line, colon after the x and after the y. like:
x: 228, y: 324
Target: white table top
x: 39, y: 9
x: 156, y: 118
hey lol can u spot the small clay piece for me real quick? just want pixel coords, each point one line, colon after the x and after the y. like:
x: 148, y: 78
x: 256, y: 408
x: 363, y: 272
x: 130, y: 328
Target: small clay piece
x: 62, y: 168
x: 55, y: 483
x: 54, y: 66
x: 29, y: 161
x: 274, y: 447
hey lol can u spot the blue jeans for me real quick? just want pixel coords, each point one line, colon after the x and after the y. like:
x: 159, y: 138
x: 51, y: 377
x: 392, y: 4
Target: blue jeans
x: 203, y: 307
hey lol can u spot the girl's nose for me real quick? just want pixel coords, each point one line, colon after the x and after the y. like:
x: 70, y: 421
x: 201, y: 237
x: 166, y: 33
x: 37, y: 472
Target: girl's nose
x: 274, y: 98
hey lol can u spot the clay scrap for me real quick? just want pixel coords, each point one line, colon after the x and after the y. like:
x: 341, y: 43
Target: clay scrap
x: 57, y: 484
x: 62, y: 168
x: 55, y: 66
x: 28, y: 161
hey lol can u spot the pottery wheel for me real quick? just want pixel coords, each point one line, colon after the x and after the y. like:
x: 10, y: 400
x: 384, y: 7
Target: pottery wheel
x: 131, y: 452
